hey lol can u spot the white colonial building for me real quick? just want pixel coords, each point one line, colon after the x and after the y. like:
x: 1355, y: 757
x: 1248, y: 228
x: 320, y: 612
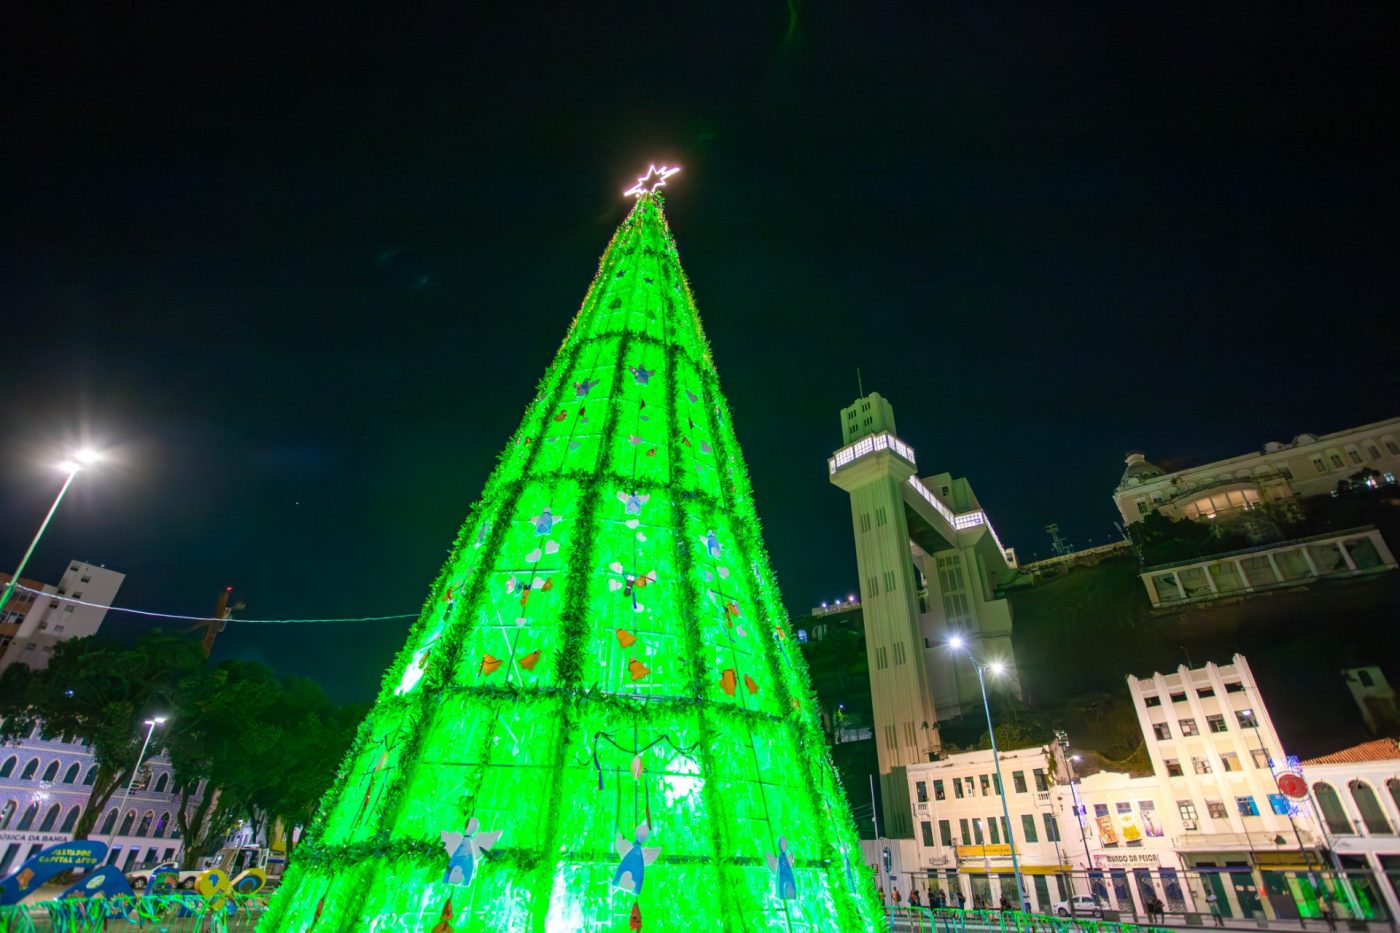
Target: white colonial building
x: 33, y: 624
x: 1357, y: 793
x: 1309, y: 465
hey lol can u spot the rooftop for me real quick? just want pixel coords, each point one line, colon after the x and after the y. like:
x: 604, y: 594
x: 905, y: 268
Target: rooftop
x: 1374, y: 750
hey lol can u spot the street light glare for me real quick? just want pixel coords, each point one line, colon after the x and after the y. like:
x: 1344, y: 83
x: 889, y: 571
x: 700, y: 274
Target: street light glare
x: 955, y: 642
x: 156, y: 721
x: 997, y: 667
x: 69, y: 466
x: 87, y: 455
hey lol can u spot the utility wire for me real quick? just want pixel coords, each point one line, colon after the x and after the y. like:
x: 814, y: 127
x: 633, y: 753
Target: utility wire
x: 40, y: 594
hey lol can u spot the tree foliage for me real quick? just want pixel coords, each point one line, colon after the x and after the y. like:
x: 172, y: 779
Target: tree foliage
x: 262, y: 747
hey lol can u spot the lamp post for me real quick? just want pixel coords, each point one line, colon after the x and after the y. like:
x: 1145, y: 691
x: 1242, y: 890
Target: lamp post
x: 72, y: 466
x: 1079, y: 814
x: 1307, y: 860
x: 150, y: 728
x: 997, y: 668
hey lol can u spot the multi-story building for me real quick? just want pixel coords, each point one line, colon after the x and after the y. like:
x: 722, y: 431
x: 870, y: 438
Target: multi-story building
x: 33, y: 625
x: 964, y: 840
x: 1357, y: 794
x: 1218, y: 758
x: 1309, y: 465
x: 44, y: 788
x: 929, y: 564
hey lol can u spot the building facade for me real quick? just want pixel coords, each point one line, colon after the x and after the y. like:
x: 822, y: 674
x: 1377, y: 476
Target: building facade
x: 33, y: 625
x: 44, y: 788
x: 929, y: 564
x: 1309, y: 465
x: 1356, y: 792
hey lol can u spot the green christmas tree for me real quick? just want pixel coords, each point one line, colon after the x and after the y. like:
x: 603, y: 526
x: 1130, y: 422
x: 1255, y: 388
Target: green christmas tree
x: 601, y: 720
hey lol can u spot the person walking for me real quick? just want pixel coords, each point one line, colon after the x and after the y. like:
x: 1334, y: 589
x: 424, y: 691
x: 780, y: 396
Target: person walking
x: 1213, y: 903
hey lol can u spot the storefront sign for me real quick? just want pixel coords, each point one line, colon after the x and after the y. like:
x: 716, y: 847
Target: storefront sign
x: 1124, y: 859
x: 1002, y: 851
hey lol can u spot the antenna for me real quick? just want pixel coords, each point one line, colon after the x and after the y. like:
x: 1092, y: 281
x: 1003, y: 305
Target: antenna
x: 860, y: 386
x: 1057, y: 544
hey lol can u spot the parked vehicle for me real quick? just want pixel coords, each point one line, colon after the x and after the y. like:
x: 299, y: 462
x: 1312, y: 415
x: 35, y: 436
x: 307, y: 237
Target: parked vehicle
x: 1081, y: 905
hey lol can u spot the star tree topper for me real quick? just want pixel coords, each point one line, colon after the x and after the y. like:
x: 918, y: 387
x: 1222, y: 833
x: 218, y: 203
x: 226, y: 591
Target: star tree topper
x: 654, y: 178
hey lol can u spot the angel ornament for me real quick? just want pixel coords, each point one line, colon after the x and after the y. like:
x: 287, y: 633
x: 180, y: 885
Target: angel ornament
x: 781, y: 867
x: 464, y: 849
x: 635, y: 859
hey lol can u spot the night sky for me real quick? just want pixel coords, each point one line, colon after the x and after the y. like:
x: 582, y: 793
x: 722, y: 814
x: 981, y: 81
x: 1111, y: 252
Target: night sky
x: 300, y: 270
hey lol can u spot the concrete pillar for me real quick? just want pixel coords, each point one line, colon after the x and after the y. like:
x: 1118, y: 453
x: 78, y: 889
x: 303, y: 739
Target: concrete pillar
x: 1244, y: 577
x: 1278, y: 574
x: 1307, y: 558
x: 1346, y: 556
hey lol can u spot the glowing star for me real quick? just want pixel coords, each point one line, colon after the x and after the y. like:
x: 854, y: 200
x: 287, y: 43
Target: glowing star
x: 655, y: 178
x: 642, y: 374
x: 464, y: 849
x: 781, y: 867
x: 635, y: 859
x: 581, y: 389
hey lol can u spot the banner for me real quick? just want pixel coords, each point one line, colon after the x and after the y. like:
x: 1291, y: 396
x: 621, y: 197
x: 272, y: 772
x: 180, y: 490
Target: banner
x: 42, y: 866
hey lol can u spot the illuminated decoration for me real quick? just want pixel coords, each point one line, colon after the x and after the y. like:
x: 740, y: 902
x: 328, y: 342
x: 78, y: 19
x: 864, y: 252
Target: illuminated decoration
x: 652, y: 181
x: 602, y: 674
x: 1292, y: 785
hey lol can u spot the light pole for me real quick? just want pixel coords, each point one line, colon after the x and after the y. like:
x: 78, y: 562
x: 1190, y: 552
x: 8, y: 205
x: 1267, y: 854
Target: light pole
x: 150, y: 728
x: 1063, y: 739
x: 1302, y: 850
x: 72, y: 466
x: 997, y: 668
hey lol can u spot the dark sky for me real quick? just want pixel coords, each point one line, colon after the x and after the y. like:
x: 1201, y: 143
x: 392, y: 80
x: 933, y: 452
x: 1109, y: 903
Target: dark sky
x: 301, y: 269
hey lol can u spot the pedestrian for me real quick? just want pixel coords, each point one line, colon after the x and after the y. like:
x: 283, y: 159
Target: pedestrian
x: 1327, y: 915
x: 914, y: 900
x: 962, y: 900
x: 896, y: 898
x: 1213, y: 903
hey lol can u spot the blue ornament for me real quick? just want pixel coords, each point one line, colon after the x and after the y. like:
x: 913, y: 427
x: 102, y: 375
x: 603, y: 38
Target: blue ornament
x: 641, y: 374
x: 782, y: 872
x: 581, y: 389
x: 543, y: 522
x: 635, y: 859
x: 712, y: 545
x: 464, y: 851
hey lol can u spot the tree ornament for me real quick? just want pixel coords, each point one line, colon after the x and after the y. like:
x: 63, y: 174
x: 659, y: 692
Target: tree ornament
x: 581, y: 389
x: 728, y: 681
x: 530, y: 660
x: 750, y: 685
x: 637, y: 767
x: 631, y: 871
x: 444, y: 924
x: 781, y: 867
x: 641, y: 374
x: 625, y: 638
x: 489, y: 664
x: 464, y: 850
x: 637, y: 669
x: 635, y: 921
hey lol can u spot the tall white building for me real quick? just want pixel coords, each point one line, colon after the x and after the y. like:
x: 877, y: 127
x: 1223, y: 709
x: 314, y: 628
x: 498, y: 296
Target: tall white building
x: 33, y: 624
x: 1309, y: 465
x: 929, y: 563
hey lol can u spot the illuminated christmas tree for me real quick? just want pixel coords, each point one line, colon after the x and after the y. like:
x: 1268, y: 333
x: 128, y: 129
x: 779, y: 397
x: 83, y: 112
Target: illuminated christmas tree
x: 601, y: 720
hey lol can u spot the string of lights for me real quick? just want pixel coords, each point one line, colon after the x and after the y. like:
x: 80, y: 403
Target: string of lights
x: 40, y: 594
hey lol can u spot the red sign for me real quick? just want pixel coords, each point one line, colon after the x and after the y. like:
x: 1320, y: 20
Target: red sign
x: 1292, y: 785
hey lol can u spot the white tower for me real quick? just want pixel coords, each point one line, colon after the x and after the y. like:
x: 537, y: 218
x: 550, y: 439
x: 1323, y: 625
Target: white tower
x: 929, y: 566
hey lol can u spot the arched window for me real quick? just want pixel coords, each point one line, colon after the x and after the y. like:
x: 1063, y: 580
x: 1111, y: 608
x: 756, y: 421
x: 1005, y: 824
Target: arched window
x: 1370, y: 808
x: 71, y: 775
x: 1332, y: 813
x: 1393, y: 785
x: 127, y: 822
x: 27, y: 820
x: 146, y: 821
x: 161, y: 781
x: 108, y: 823
x: 161, y: 824
x: 50, y: 818
x: 71, y: 819
x: 51, y: 772
x: 8, y: 768
x: 7, y: 814
x: 91, y: 776
x: 30, y: 770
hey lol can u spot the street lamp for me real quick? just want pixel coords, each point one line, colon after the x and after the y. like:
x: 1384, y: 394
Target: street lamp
x: 997, y: 668
x: 1079, y: 809
x: 73, y: 465
x: 150, y: 728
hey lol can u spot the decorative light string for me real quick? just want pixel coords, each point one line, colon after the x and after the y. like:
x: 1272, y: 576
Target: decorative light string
x: 179, y: 618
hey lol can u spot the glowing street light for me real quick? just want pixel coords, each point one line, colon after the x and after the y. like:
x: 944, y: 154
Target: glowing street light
x: 996, y: 668
x: 150, y: 725
x: 73, y: 465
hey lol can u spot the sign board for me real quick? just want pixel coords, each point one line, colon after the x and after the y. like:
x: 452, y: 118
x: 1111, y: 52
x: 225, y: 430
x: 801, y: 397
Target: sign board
x: 1292, y: 785
x: 42, y: 866
x: 1001, y: 851
x: 1125, y: 859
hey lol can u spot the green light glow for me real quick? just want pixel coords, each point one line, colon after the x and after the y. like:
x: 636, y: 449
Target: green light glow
x: 606, y: 648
